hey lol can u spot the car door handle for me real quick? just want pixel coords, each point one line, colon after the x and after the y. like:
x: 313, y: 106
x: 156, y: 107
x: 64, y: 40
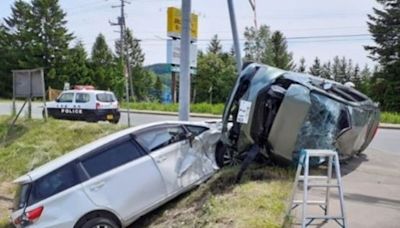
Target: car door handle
x: 97, y: 186
x: 161, y: 159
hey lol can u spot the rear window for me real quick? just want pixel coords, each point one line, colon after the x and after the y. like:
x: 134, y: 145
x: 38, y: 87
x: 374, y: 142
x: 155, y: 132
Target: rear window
x: 53, y: 183
x: 105, y: 97
x: 21, y: 195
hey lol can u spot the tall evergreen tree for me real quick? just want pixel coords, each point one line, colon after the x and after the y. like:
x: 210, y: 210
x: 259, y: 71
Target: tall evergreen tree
x: 384, y: 25
x: 326, y: 70
x: 76, y: 69
x: 50, y: 38
x: 336, y: 69
x: 315, y: 69
x: 215, y: 45
x: 281, y: 58
x: 302, y: 65
x: 102, y: 63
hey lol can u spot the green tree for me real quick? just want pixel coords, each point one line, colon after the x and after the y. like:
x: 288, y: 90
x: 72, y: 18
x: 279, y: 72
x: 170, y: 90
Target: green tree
x: 103, y: 64
x: 215, y: 45
x: 141, y: 82
x: 213, y: 72
x: 50, y: 38
x: 302, y: 66
x: 257, y: 43
x: 76, y: 69
x: 315, y: 69
x: 281, y: 58
x: 326, y: 70
x: 384, y: 26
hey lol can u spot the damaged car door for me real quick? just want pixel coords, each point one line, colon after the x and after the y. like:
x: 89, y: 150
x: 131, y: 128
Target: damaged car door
x: 166, y: 145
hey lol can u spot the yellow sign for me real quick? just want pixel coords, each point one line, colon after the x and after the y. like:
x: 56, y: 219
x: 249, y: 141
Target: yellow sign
x: 174, y: 23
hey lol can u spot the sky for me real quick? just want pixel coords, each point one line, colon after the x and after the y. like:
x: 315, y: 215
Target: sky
x: 295, y: 18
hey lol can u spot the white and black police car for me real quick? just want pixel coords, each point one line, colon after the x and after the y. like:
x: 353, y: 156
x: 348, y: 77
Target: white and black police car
x: 87, y: 105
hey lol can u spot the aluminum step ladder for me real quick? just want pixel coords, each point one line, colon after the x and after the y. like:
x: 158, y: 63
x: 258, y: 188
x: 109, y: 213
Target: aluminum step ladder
x: 321, y: 182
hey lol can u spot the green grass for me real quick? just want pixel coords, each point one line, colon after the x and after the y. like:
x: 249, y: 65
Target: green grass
x: 206, y: 108
x: 260, y: 200
x: 33, y: 142
x: 390, y: 117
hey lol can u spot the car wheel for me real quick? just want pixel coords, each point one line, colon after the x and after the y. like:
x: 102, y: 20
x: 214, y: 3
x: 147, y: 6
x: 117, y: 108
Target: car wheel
x: 100, y: 222
x: 226, y: 157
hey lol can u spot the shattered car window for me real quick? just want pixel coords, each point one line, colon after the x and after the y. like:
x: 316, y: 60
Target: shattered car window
x: 320, y: 126
x: 158, y: 138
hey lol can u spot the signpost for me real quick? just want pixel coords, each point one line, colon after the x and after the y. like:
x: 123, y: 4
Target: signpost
x: 174, y: 51
x: 28, y: 84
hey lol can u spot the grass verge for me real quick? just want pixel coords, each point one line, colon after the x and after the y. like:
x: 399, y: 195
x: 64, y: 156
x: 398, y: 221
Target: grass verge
x: 215, y: 109
x: 390, y: 117
x: 34, y: 142
x: 258, y: 201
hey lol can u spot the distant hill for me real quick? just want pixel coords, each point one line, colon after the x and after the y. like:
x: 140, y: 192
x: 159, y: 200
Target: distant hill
x: 159, y: 68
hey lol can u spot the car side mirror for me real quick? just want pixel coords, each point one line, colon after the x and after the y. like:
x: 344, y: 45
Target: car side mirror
x: 57, y: 100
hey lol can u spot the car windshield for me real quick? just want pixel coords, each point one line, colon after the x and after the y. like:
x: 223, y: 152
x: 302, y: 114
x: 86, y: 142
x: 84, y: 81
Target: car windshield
x: 21, y: 196
x: 105, y: 97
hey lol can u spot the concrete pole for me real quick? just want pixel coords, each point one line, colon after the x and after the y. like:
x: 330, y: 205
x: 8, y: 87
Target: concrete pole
x: 235, y: 36
x: 184, y: 76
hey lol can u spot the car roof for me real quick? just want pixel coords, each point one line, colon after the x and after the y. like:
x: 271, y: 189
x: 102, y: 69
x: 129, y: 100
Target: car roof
x: 71, y: 156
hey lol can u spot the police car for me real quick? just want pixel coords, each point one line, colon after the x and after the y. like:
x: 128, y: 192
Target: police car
x: 87, y: 105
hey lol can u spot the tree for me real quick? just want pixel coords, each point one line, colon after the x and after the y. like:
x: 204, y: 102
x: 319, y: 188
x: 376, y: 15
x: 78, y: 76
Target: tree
x: 76, y: 69
x: 103, y: 64
x: 158, y: 86
x: 213, y: 72
x: 315, y: 69
x: 133, y: 49
x: 302, y: 66
x: 384, y: 26
x: 326, y: 70
x: 215, y: 45
x: 257, y: 43
x: 281, y: 58
x: 141, y: 82
x: 50, y: 38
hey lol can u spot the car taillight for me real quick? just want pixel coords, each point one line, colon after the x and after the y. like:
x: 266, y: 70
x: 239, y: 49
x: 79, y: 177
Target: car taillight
x: 34, y: 214
x: 30, y: 216
x: 97, y: 105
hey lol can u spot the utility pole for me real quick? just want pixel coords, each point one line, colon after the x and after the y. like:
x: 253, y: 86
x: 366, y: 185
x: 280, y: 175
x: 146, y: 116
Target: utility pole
x: 184, y: 76
x: 235, y: 36
x: 125, y: 62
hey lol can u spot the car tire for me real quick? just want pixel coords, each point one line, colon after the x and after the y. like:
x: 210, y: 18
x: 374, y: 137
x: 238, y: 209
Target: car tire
x: 225, y: 157
x: 100, y: 222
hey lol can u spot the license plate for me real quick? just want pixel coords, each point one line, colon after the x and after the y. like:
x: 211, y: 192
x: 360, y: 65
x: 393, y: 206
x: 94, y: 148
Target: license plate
x: 110, y: 117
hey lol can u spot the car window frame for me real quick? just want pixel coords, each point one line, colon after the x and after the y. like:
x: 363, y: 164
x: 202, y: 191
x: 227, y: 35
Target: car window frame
x: 62, y: 94
x: 32, y: 185
x: 106, y: 147
x: 82, y: 102
x: 186, y: 126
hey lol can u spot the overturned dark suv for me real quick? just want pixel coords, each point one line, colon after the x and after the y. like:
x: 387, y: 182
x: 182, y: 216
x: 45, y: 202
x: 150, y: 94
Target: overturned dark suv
x: 283, y: 112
